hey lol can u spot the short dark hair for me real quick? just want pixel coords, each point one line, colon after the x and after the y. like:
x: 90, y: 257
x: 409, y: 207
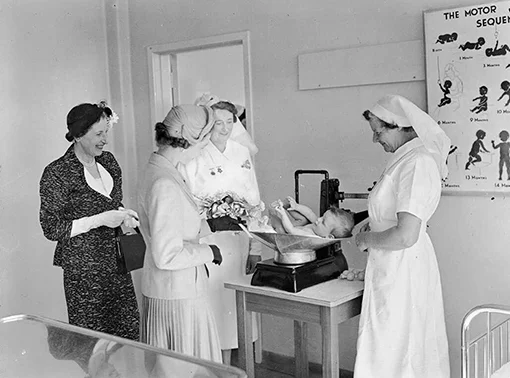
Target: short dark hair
x: 225, y: 105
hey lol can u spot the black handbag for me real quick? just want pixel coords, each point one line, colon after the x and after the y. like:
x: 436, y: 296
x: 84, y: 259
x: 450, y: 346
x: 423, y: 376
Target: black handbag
x: 130, y: 251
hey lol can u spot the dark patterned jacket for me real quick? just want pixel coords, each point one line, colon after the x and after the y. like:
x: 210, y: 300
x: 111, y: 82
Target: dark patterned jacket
x: 66, y: 196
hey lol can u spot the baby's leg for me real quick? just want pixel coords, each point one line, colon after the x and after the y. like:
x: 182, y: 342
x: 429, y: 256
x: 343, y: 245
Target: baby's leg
x: 276, y: 222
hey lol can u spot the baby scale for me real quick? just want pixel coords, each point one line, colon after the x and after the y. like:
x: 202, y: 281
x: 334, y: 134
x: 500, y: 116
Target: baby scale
x: 302, y: 261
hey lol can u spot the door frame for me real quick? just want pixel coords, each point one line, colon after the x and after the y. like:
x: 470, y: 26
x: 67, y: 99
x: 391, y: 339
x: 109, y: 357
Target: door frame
x: 162, y: 58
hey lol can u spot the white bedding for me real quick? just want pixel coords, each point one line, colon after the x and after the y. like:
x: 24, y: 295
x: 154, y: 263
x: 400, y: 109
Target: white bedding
x: 502, y: 372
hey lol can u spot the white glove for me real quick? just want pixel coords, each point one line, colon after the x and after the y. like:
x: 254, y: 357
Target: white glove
x: 114, y: 218
x: 131, y: 222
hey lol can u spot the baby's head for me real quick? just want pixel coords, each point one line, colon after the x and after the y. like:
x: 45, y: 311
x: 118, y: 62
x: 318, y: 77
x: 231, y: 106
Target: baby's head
x: 335, y: 223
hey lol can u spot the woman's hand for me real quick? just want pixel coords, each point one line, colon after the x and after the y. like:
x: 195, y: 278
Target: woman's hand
x: 217, y: 257
x: 131, y: 221
x: 114, y: 218
x: 251, y: 263
x: 361, y: 238
x: 365, y: 227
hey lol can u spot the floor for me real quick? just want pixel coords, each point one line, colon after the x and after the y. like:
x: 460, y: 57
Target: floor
x: 282, y: 367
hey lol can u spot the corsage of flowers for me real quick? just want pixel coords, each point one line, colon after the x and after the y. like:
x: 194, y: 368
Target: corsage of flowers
x: 111, y: 119
x: 230, y: 204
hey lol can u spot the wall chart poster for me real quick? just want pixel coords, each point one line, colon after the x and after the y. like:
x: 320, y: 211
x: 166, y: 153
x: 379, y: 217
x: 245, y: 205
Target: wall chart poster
x: 467, y: 53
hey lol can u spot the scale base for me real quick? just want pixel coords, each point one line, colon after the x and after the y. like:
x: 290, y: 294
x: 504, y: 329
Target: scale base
x: 294, y: 278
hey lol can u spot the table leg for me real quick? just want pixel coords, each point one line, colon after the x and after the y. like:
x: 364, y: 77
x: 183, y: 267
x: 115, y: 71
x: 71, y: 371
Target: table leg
x: 300, y: 348
x: 330, y: 357
x: 244, y: 335
x: 258, y: 342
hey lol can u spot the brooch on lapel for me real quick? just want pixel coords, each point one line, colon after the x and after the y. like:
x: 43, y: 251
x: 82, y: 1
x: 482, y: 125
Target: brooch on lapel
x: 215, y: 170
x: 246, y: 164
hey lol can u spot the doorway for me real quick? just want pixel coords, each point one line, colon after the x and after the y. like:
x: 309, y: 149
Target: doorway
x: 181, y: 72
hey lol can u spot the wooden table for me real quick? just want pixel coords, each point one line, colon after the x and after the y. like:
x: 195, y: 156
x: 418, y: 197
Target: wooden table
x: 327, y: 304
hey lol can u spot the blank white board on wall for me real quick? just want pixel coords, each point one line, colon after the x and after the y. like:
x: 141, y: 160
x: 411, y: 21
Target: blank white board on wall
x: 387, y: 63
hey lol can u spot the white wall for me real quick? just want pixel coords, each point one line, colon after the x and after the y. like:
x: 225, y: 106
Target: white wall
x: 53, y: 56
x: 324, y: 129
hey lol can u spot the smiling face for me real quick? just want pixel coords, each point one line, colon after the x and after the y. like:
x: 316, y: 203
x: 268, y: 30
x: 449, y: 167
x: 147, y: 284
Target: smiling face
x: 386, y: 137
x: 93, y: 142
x: 223, y: 125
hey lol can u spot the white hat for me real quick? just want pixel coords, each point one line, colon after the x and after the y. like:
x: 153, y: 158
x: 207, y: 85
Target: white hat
x: 239, y: 133
x: 400, y: 111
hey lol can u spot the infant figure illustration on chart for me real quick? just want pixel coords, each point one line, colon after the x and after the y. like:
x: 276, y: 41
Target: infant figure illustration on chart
x: 452, y: 89
x: 504, y: 153
x: 497, y: 51
x: 446, y: 38
x: 482, y: 104
x: 446, y: 91
x: 476, y: 148
x: 505, y: 86
x: 473, y: 45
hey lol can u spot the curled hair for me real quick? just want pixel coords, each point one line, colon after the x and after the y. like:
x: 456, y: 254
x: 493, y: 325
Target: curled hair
x: 228, y: 106
x: 163, y: 137
x: 367, y: 114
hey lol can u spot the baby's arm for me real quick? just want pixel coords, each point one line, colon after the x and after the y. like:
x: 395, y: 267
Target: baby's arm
x: 302, y: 209
x: 287, y: 224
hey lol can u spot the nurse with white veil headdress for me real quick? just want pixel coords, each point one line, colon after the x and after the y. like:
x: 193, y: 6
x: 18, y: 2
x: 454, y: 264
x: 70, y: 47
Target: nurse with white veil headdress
x: 402, y: 332
x: 222, y: 179
x: 239, y: 133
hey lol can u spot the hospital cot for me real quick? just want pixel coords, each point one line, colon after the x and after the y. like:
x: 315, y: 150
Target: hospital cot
x: 485, y: 342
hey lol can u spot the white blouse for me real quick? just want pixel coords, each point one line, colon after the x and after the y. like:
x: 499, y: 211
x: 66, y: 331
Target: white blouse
x: 103, y: 184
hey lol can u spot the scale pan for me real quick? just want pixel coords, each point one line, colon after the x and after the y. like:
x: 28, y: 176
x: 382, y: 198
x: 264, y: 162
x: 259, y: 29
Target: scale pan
x: 293, y: 243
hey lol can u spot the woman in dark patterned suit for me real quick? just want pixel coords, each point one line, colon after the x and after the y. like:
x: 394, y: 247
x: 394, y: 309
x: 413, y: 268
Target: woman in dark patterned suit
x: 81, y: 194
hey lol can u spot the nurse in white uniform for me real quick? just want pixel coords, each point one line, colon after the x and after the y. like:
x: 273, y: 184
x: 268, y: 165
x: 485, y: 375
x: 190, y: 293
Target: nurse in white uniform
x: 225, y: 166
x: 402, y: 331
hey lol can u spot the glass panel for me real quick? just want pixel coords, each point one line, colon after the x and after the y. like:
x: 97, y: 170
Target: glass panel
x: 32, y: 346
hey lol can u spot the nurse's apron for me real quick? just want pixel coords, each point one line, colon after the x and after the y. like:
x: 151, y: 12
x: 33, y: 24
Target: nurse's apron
x: 402, y: 330
x: 212, y: 173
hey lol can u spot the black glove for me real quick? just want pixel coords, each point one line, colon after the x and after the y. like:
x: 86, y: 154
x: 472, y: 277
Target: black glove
x: 217, y: 254
x: 224, y: 223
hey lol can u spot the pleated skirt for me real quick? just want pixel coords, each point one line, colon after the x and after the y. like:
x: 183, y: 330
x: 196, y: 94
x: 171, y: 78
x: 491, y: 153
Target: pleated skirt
x: 183, y: 325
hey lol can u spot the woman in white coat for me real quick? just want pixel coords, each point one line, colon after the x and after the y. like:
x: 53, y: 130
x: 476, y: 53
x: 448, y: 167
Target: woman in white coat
x: 176, y: 313
x: 224, y: 167
x: 402, y: 329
